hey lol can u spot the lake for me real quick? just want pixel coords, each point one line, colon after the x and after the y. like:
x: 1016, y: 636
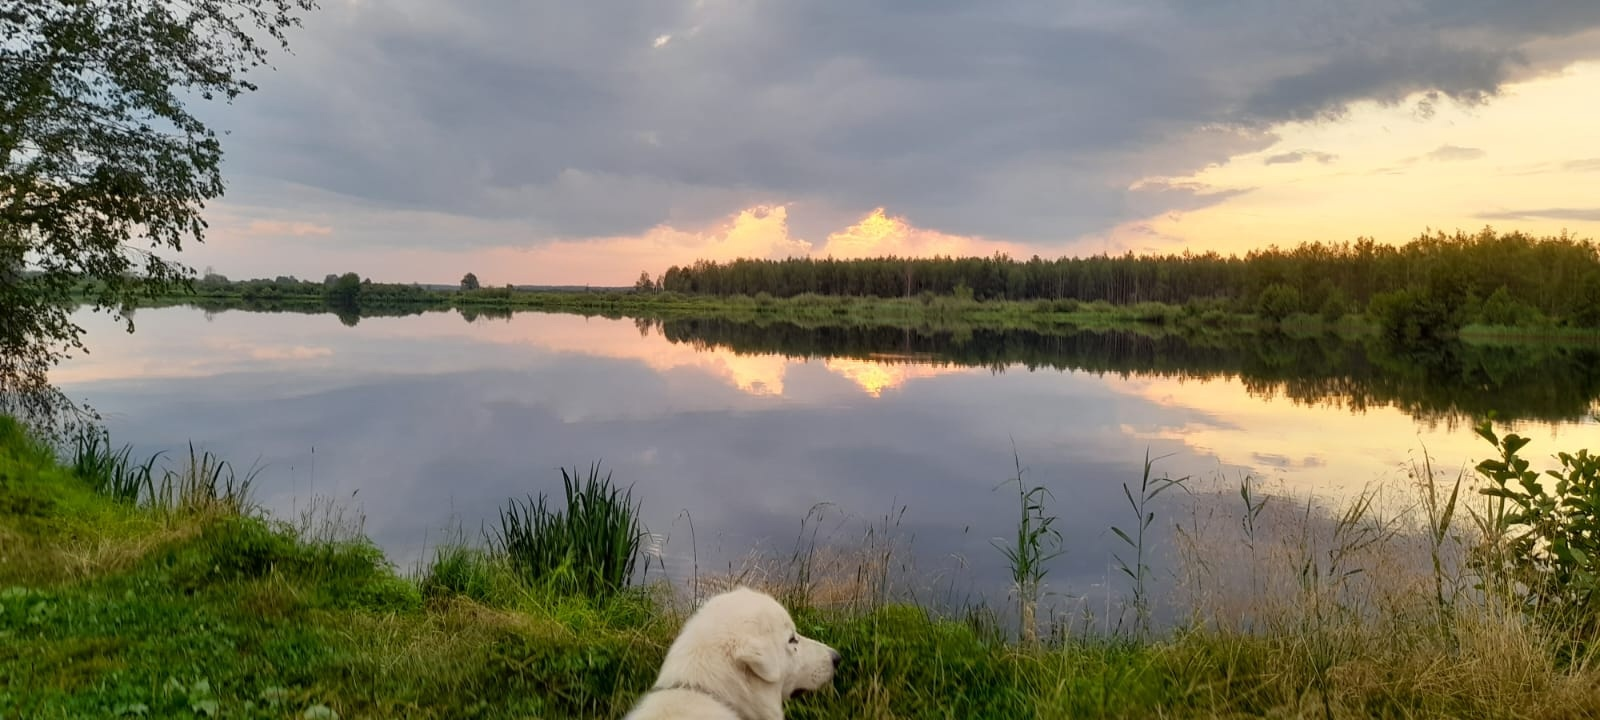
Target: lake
x: 739, y: 438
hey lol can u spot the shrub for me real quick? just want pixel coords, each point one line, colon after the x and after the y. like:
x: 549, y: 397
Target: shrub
x: 1278, y: 301
x: 1502, y: 309
x: 589, y: 547
x: 1334, y: 306
x: 1543, y: 541
x: 1154, y: 312
x: 1413, y: 315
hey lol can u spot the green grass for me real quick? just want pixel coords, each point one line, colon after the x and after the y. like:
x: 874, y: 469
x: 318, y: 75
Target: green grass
x: 146, y: 608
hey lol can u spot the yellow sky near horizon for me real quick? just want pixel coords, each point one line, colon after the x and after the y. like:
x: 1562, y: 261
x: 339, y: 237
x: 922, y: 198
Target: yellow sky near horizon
x: 1390, y: 174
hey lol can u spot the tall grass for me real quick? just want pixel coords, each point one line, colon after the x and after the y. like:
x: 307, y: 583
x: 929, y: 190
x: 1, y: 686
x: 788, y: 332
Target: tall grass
x: 1034, y: 544
x: 201, y: 482
x: 590, y: 546
x: 110, y: 472
x: 1393, y: 606
x: 1139, y: 571
x: 1439, y: 511
x: 459, y: 569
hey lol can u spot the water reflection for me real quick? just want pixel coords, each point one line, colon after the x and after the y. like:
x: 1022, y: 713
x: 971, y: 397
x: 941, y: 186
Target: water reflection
x: 744, y: 431
x: 1450, y: 383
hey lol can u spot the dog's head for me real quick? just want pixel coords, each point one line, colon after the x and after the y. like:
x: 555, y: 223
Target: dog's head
x: 765, y: 643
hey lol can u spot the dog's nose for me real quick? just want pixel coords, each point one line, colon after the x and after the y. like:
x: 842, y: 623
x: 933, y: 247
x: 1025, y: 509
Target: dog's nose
x: 837, y: 658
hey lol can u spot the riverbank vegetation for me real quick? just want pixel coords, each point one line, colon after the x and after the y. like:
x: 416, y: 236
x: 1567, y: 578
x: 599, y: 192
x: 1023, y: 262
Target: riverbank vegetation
x: 179, y: 600
x: 1485, y: 285
x: 1429, y: 286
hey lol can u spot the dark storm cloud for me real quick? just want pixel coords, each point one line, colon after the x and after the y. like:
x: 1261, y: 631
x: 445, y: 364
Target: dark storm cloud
x: 1020, y: 119
x: 1326, y: 90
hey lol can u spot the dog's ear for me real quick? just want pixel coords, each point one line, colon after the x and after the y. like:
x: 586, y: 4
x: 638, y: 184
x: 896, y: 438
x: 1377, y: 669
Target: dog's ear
x: 762, y: 657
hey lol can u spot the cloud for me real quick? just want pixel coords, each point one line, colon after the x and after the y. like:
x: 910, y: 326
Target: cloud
x: 1299, y: 156
x: 1453, y: 153
x: 1585, y: 165
x: 1467, y: 75
x: 879, y: 234
x: 1579, y: 214
x: 762, y: 231
x: 281, y: 228
x: 1014, y: 119
x: 1155, y: 196
x: 1443, y: 153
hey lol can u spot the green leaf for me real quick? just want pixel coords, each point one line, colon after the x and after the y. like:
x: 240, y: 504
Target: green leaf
x: 1485, y: 430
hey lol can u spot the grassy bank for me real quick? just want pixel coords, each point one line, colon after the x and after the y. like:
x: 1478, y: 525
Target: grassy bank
x: 176, y: 599
x: 926, y: 312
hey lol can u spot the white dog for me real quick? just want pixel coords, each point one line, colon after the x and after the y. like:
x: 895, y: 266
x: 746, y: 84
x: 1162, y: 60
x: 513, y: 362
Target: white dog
x: 737, y: 658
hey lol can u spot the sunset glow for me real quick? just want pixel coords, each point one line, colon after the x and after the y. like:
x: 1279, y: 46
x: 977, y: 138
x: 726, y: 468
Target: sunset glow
x: 1525, y: 160
x: 1528, y: 160
x: 598, y: 147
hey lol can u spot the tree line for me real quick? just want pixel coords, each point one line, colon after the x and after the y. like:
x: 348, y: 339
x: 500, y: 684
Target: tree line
x: 1443, y: 280
x: 346, y: 290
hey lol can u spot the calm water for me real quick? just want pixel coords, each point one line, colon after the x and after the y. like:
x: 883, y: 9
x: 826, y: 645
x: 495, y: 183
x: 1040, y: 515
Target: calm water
x: 424, y: 421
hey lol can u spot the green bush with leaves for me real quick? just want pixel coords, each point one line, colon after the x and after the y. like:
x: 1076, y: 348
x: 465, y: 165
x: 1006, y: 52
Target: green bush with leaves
x: 1278, y: 301
x: 1542, y: 530
x: 1500, y: 308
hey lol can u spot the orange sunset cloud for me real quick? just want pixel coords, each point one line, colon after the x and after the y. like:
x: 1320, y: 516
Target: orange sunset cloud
x: 880, y: 234
x: 756, y: 232
x: 760, y: 231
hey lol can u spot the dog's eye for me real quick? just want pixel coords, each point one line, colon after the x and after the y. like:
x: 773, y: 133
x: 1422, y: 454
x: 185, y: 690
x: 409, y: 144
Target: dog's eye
x: 794, y: 639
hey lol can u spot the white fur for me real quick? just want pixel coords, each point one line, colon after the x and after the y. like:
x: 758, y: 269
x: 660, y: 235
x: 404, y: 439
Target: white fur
x: 742, y: 653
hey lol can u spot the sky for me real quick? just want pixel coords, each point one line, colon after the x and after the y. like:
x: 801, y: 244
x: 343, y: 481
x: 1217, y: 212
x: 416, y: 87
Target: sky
x: 585, y: 142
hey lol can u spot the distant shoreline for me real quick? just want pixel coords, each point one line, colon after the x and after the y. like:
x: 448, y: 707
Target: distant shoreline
x: 936, y: 312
